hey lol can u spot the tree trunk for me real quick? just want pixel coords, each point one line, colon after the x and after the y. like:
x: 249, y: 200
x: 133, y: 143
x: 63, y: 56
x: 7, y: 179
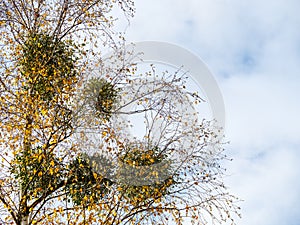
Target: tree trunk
x: 24, y: 220
x: 27, y: 147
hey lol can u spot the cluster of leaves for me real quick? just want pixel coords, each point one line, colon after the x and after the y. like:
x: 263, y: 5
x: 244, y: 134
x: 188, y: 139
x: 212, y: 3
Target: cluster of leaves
x: 84, y: 185
x: 136, y: 155
x: 38, y: 171
x: 101, y: 96
x: 144, y: 160
x: 48, y: 65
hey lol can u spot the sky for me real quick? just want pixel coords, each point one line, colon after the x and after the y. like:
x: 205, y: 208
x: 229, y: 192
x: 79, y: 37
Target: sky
x: 253, y: 50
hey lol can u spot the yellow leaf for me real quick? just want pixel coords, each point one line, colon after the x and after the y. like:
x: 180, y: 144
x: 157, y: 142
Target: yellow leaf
x: 95, y: 175
x: 43, y: 111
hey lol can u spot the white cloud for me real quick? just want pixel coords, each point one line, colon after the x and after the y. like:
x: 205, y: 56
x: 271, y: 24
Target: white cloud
x: 263, y: 126
x: 269, y: 186
x: 262, y: 109
x: 221, y: 31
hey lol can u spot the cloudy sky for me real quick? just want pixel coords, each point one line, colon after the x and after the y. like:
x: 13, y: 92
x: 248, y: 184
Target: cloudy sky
x: 253, y: 49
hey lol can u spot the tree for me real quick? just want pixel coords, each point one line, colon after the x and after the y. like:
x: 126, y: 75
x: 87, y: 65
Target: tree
x: 66, y: 156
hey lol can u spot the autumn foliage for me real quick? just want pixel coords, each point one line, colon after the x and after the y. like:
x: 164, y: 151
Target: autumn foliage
x: 66, y: 155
